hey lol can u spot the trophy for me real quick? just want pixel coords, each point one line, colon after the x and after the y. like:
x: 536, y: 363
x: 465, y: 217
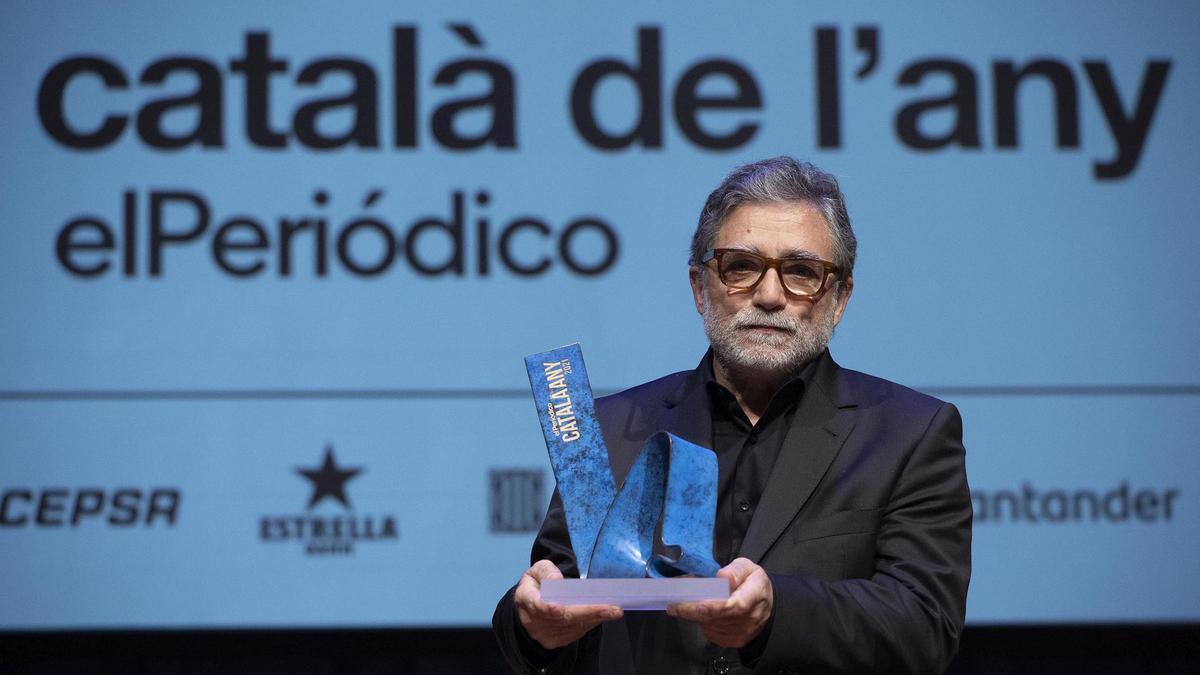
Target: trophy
x: 672, y: 483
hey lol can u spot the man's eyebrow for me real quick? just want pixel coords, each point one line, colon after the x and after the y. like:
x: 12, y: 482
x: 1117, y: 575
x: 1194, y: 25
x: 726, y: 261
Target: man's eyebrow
x: 801, y: 253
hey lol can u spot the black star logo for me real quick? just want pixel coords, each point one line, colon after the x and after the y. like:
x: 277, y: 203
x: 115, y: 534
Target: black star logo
x: 329, y: 480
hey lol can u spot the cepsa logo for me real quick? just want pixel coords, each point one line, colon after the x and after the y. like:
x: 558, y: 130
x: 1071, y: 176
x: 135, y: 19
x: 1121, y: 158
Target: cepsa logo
x: 325, y: 533
x: 58, y: 507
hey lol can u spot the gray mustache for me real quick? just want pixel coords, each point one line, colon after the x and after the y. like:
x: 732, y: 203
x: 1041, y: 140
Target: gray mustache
x: 770, y: 321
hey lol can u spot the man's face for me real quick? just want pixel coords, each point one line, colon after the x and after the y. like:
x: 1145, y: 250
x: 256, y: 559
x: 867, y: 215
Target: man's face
x: 767, y: 328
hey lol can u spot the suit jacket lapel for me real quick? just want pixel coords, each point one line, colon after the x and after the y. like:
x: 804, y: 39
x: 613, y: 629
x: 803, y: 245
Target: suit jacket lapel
x: 686, y: 414
x: 819, y: 428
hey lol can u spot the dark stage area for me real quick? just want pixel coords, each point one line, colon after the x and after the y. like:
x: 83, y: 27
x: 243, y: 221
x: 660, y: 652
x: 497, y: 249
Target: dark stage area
x: 1028, y: 650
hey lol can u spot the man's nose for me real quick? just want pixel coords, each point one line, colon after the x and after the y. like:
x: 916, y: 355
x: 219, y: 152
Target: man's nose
x: 770, y: 294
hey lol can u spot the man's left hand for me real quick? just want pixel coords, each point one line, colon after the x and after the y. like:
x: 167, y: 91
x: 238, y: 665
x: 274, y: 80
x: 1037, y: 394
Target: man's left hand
x: 738, y: 619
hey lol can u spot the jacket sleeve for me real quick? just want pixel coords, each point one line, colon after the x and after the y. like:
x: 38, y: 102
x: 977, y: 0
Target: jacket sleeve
x: 523, y: 653
x: 908, y: 616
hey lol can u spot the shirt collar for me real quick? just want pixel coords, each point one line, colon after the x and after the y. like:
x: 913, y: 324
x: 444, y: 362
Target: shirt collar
x: 791, y: 391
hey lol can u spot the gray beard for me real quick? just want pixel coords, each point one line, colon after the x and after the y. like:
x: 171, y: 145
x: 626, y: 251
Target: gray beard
x: 784, y: 353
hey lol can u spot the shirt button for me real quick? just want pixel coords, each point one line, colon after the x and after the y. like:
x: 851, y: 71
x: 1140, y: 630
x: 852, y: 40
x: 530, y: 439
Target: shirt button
x: 752, y: 439
x: 743, y: 506
x: 720, y: 666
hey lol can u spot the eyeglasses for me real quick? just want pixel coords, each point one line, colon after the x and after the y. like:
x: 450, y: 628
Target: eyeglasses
x: 743, y: 270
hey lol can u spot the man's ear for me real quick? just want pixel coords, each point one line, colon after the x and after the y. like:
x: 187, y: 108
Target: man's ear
x: 696, y: 279
x: 845, y: 289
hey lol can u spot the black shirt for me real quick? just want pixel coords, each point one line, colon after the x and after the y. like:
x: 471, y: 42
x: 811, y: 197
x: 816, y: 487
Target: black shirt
x: 745, y: 454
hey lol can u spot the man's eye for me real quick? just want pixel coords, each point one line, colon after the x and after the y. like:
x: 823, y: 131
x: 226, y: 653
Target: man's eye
x: 801, y: 271
x: 742, y: 265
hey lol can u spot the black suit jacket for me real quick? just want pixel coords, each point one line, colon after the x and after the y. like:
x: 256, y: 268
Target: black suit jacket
x: 864, y: 528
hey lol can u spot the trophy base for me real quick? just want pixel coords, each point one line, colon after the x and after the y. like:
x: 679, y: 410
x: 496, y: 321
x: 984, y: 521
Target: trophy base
x: 634, y: 594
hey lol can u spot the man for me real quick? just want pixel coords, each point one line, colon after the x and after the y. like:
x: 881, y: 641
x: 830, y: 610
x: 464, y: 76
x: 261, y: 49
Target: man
x: 843, y: 515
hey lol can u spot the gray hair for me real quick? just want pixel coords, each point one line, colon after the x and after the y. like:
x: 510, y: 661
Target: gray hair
x: 779, y: 179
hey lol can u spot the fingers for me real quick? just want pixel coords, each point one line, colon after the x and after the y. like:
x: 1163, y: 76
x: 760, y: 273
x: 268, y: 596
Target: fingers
x: 529, y: 588
x: 735, y: 621
x: 750, y: 584
x: 737, y: 572
x: 553, y: 625
x: 726, y: 625
x: 572, y: 615
x: 544, y: 569
x: 750, y: 591
x: 722, y: 625
x: 698, y: 612
x: 588, y: 614
x: 753, y: 591
x: 714, y: 612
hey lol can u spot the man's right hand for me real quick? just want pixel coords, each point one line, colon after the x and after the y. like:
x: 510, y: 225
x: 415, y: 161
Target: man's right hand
x: 554, y: 625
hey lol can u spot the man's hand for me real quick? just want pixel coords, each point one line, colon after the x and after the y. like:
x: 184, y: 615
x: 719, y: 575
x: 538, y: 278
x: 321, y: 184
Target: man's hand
x: 554, y: 625
x: 738, y: 619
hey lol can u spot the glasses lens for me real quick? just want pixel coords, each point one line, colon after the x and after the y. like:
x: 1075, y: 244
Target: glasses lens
x: 741, y: 270
x: 802, y: 277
